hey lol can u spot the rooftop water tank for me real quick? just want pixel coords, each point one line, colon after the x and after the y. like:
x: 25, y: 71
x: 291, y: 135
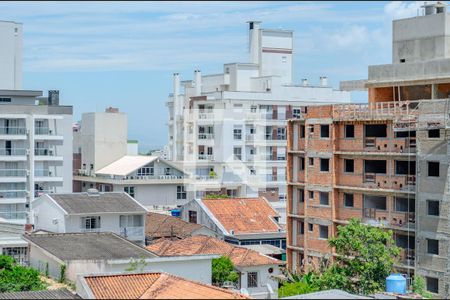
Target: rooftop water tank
x: 175, y: 212
x: 396, y: 283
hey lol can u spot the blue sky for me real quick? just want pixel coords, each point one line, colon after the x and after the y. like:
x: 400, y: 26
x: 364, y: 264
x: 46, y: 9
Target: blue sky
x: 123, y: 54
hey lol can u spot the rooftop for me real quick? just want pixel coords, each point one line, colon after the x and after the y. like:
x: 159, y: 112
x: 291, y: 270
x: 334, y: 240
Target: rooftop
x: 88, y: 246
x: 198, y: 245
x: 161, y: 226
x: 153, y: 286
x: 85, y: 203
x: 329, y: 294
x: 46, y: 294
x: 244, y: 215
x: 127, y: 164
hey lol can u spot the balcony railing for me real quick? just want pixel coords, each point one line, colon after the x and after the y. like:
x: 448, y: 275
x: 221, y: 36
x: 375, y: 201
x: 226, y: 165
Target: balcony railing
x: 270, y: 137
x: 206, y: 136
x: 91, y: 229
x: 277, y: 178
x: 250, y: 137
x: 43, y: 152
x: 12, y: 173
x: 407, y: 256
x: 42, y: 192
x: 132, y: 231
x: 43, y: 131
x: 43, y: 173
x: 12, y: 151
x: 13, y: 215
x: 206, y: 157
x: 13, y: 194
x: 392, y: 219
x: 13, y: 130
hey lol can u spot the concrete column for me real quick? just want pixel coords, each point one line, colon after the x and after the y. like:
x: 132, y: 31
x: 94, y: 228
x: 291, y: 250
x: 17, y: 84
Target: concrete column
x: 198, y: 82
x: 254, y: 41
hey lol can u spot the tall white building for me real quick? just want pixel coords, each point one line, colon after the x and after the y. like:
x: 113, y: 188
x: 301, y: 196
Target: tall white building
x: 10, y: 55
x: 229, y: 129
x: 35, y: 150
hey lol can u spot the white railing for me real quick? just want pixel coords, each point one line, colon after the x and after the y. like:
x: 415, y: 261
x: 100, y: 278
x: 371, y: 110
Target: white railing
x: 43, y: 152
x: 13, y: 194
x: 43, y: 131
x: 12, y: 173
x: 91, y: 229
x: 12, y: 151
x: 206, y: 157
x: 132, y: 231
x: 13, y: 215
x: 43, y: 173
x: 206, y: 136
x: 13, y: 130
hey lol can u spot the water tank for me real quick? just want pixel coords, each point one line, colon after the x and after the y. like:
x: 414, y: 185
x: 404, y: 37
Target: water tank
x: 396, y: 283
x: 175, y: 212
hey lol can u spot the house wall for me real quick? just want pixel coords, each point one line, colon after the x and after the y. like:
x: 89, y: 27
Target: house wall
x: 202, y: 217
x: 264, y: 279
x: 44, y: 211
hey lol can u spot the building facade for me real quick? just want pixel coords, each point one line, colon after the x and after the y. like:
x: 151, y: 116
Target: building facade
x: 11, y: 38
x: 384, y: 162
x: 35, y: 150
x: 229, y: 129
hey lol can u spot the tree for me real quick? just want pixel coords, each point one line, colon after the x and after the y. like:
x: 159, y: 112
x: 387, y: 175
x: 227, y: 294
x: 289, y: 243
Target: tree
x: 297, y: 285
x: 16, y: 278
x: 216, y: 196
x: 365, y: 257
x: 418, y: 287
x: 223, y: 270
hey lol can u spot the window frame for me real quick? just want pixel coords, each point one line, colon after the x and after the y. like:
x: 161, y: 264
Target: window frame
x: 352, y: 200
x: 322, y: 161
x: 327, y: 198
x: 181, y: 192
x: 252, y: 279
x: 428, y: 246
x: 438, y: 208
x: 321, y: 227
x: 345, y: 131
x: 438, y: 170
x: 322, y: 131
x: 345, y: 165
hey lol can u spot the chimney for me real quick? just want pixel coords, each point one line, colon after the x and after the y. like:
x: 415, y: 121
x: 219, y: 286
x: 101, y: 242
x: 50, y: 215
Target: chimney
x: 323, y: 81
x: 198, y: 83
x: 305, y: 82
x: 29, y: 228
x: 253, y: 36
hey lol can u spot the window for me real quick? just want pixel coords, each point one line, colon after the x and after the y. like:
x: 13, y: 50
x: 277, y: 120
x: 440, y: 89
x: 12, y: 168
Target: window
x: 433, y: 207
x: 349, y: 165
x: 301, y: 196
x: 311, y: 195
x: 434, y: 133
x: 281, y: 133
x: 324, y: 131
x: 192, y: 216
x: 5, y: 100
x: 237, y: 151
x: 167, y: 171
x: 311, y: 161
x: 323, y: 232
x: 432, y: 285
x: 402, y: 204
x: 349, y: 131
x: 253, y: 108
x: 90, y: 223
x: 130, y: 221
x: 432, y: 246
x: 324, y: 198
x: 311, y: 129
x: 129, y: 190
x: 324, y: 164
x: 302, y: 131
x: 302, y: 227
x: 252, y: 171
x: 296, y: 113
x: 237, y: 133
x: 284, y: 59
x: 181, y: 192
x: 348, y: 200
x: 252, y: 279
x: 302, y: 163
x: 433, y: 168
x: 310, y: 227
x: 145, y: 171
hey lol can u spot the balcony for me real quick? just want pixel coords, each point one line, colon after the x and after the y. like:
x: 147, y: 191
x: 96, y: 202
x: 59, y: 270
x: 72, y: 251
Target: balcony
x: 13, y: 130
x: 13, y: 151
x: 209, y: 157
x: 378, y: 145
x: 275, y: 178
x: 39, y: 193
x: 394, y: 182
x: 13, y: 173
x: 389, y: 219
x: 43, y: 131
x: 43, y: 152
x: 44, y: 175
x: 12, y: 215
x: 13, y: 194
x: 407, y: 256
x: 128, y: 232
x: 249, y: 137
x: 206, y: 136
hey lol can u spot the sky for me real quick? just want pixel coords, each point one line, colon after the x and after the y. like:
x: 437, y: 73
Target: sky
x: 123, y: 54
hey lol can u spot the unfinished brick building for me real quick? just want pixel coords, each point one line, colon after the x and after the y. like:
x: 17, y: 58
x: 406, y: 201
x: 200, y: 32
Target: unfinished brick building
x: 385, y: 162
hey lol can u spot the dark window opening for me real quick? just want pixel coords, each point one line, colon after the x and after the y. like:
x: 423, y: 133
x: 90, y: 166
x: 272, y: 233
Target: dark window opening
x: 434, y: 133
x: 310, y: 227
x: 432, y: 246
x: 349, y: 165
x: 378, y: 130
x: 348, y: 200
x: 349, y: 131
x: 302, y: 131
x: 404, y: 204
x: 402, y: 60
x: 405, y: 134
x: 324, y: 131
x: 193, y: 216
x: 433, y: 285
x: 302, y: 228
x: 311, y: 194
x: 405, y: 242
x: 302, y: 163
x: 324, y: 165
x: 323, y: 232
x: 375, y: 166
x: 377, y: 202
x: 311, y: 161
x: 433, y: 168
x: 324, y: 198
x: 404, y: 167
x: 433, y: 207
x: 301, y: 195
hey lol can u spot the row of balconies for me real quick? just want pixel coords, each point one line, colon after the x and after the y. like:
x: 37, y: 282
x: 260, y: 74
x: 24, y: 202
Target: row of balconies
x: 23, y: 131
x: 23, y: 152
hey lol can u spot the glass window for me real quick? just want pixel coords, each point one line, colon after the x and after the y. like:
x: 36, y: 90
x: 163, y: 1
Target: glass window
x: 90, y: 222
x: 296, y: 113
x: 192, y: 216
x: 349, y: 131
x: 324, y: 198
x: 252, y: 279
x: 237, y: 133
x: 324, y: 131
x: 433, y: 285
x: 130, y: 221
x: 434, y: 133
x: 181, y: 193
x: 324, y: 165
x: 237, y: 151
x: 433, y: 168
x: 432, y: 246
x: 323, y: 232
x: 349, y: 165
x: 129, y: 190
x: 348, y: 200
x: 433, y: 207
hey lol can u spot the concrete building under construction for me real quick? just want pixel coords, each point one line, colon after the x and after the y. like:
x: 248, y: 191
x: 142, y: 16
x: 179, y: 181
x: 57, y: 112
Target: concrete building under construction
x: 385, y: 162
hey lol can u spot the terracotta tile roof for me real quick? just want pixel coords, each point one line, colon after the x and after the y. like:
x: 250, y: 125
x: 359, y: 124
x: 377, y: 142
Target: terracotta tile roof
x: 244, y: 215
x: 197, y: 245
x: 162, y: 226
x: 154, y: 286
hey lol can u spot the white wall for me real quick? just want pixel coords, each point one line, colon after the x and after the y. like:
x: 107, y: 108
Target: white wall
x: 44, y: 211
x: 10, y: 55
x: 264, y: 279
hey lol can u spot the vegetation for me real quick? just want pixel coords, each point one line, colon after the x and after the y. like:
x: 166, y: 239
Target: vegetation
x: 418, y: 287
x: 365, y: 256
x: 62, y: 273
x: 223, y: 270
x: 16, y: 278
x: 137, y: 265
x: 216, y: 196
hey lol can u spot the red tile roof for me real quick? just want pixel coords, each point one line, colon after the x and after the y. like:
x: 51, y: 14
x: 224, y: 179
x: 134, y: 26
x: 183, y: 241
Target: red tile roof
x: 244, y: 215
x: 197, y: 245
x: 162, y: 226
x: 154, y: 286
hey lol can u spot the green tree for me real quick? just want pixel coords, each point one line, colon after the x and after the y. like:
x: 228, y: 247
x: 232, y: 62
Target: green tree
x: 418, y: 287
x: 365, y: 257
x: 297, y: 285
x: 223, y: 270
x: 216, y: 196
x: 16, y: 278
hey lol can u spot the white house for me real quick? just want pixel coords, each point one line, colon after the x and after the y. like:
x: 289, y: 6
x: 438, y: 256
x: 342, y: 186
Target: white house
x: 91, y: 211
x: 87, y: 253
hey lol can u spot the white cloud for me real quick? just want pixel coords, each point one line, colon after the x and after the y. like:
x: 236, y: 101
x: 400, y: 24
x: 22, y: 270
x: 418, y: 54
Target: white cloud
x: 403, y: 9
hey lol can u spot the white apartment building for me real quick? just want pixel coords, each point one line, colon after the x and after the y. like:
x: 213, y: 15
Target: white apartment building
x: 10, y: 55
x: 35, y: 150
x: 229, y: 129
